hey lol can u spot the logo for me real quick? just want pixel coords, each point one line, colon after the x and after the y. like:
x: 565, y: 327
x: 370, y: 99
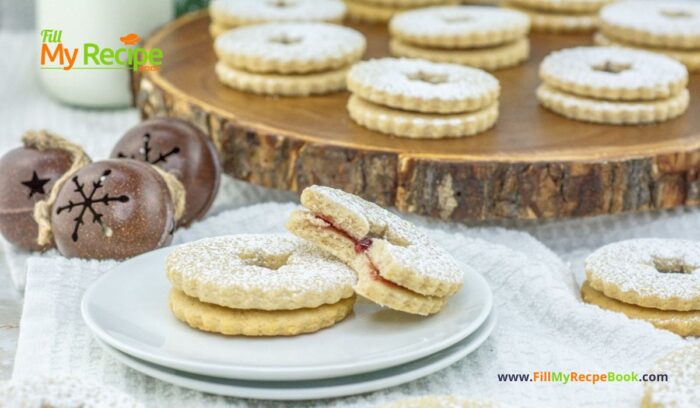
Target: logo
x: 56, y: 55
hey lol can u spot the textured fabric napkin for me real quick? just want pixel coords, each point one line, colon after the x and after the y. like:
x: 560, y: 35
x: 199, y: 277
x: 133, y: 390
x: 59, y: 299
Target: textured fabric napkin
x: 542, y: 325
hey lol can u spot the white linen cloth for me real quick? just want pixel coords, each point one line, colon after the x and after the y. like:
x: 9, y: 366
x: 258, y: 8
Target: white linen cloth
x: 542, y: 325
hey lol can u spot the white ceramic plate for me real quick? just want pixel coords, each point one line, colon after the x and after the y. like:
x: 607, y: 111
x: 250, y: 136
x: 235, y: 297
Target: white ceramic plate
x: 313, y: 389
x: 128, y: 309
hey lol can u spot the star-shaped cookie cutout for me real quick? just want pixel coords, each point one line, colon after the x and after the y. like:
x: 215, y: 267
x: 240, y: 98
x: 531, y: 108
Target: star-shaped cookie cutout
x: 36, y: 184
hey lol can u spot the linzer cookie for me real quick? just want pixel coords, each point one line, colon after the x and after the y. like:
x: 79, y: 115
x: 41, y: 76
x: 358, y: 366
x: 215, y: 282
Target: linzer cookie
x: 258, y: 285
x: 227, y: 14
x: 397, y: 265
x: 663, y: 24
x: 381, y: 11
x: 422, y: 99
x: 671, y: 28
x: 613, y: 85
x: 478, y: 36
x: 653, y: 273
x: 290, y: 48
x: 682, y: 387
x: 288, y: 59
x: 459, y: 26
x: 560, y: 16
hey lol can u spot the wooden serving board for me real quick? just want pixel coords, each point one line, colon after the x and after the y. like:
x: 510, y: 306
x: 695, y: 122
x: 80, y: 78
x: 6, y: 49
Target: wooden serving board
x: 532, y: 165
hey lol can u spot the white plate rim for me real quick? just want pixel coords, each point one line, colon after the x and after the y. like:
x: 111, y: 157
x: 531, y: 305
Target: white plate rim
x: 309, y: 393
x: 249, y: 372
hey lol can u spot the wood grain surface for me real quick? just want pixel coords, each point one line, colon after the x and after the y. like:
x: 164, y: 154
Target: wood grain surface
x: 533, y: 165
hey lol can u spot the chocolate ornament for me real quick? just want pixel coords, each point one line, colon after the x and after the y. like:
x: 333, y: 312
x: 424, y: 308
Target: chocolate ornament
x: 115, y: 209
x: 28, y: 176
x: 181, y: 149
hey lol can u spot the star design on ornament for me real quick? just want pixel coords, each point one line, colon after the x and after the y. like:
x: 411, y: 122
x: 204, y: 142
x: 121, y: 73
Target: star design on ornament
x: 36, y: 184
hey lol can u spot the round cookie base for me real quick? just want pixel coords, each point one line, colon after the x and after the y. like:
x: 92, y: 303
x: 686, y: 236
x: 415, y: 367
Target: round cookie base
x: 689, y: 58
x: 559, y: 6
x: 491, y: 59
x: 234, y: 322
x: 681, y: 323
x: 282, y: 85
x: 420, y: 125
x: 612, y: 112
x: 371, y: 13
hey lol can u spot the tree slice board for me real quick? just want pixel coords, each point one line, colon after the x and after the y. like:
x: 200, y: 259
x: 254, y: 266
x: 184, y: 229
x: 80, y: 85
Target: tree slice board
x: 533, y: 165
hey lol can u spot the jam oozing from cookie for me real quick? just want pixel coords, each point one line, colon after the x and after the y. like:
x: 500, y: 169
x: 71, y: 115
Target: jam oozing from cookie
x: 361, y: 247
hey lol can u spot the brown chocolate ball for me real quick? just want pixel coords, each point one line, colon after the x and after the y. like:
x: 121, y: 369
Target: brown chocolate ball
x: 27, y: 176
x: 113, y: 209
x: 181, y: 149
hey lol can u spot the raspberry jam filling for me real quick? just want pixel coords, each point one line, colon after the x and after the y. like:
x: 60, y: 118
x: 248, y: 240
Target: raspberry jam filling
x: 361, y: 247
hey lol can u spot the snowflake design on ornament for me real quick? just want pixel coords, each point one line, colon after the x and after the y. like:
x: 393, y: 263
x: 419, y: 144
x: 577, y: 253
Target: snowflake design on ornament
x: 145, y: 152
x: 88, y: 202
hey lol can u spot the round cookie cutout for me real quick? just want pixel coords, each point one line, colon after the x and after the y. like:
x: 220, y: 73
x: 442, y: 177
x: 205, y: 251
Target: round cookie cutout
x: 612, y: 112
x: 655, y: 273
x: 63, y: 391
x: 563, y: 6
x: 314, y: 83
x: 614, y: 73
x: 259, y: 271
x: 423, y: 86
x: 234, y: 13
x: 666, y: 24
x: 683, y: 386
x: 459, y: 26
x: 681, y: 323
x: 290, y: 48
x: 440, y: 401
x: 251, y: 322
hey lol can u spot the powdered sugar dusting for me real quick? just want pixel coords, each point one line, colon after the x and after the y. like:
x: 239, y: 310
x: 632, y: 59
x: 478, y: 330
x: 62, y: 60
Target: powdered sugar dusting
x: 291, y: 41
x: 682, y: 390
x: 402, y: 76
x: 458, y: 20
x: 585, y: 67
x: 281, y: 10
x: 666, y: 17
x: 258, y: 263
x: 632, y: 266
x: 63, y: 392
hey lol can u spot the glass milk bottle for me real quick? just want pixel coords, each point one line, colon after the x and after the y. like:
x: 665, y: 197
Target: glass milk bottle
x: 104, y: 24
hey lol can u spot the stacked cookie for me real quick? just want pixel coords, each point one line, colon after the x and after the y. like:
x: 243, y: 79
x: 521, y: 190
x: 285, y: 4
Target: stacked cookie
x: 656, y: 280
x: 380, y: 11
x: 669, y: 27
x: 613, y: 85
x: 228, y: 14
x: 258, y: 285
x: 479, y: 36
x: 289, y: 59
x: 396, y: 264
x: 560, y: 16
x: 422, y: 99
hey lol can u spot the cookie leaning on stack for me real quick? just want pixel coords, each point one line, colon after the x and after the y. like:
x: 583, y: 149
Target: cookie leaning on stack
x: 228, y: 14
x: 669, y: 27
x: 397, y: 265
x: 290, y: 59
x: 380, y: 11
x: 657, y: 280
x: 560, y: 16
x: 613, y: 85
x: 482, y: 37
x: 258, y: 285
x: 422, y: 99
